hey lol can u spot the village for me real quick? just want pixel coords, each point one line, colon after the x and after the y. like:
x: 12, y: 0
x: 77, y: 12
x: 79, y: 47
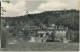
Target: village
x: 39, y: 34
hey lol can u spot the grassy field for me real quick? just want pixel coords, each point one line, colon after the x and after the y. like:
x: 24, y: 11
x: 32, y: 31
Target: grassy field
x: 54, y: 46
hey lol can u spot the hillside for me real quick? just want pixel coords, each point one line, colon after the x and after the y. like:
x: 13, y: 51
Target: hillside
x: 49, y: 17
x: 67, y: 18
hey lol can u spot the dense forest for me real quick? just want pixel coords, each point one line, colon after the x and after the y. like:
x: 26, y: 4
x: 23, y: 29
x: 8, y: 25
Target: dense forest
x: 67, y: 18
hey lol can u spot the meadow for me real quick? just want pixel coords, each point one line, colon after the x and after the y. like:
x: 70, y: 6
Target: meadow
x: 49, y: 46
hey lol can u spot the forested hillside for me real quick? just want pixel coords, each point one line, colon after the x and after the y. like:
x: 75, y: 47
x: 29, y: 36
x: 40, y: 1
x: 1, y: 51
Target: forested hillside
x: 67, y: 18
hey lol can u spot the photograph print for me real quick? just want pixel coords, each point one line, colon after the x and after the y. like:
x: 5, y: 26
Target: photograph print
x: 39, y: 25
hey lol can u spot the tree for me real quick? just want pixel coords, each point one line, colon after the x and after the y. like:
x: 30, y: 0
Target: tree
x: 2, y: 11
x: 71, y: 21
x: 4, y: 32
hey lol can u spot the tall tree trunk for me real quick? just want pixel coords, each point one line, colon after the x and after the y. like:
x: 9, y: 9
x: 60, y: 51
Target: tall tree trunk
x: 4, y: 35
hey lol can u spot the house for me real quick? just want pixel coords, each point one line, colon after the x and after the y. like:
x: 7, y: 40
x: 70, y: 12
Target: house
x: 60, y: 33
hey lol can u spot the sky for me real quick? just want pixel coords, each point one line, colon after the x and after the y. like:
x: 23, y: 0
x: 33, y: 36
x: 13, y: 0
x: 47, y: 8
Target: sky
x: 19, y: 7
